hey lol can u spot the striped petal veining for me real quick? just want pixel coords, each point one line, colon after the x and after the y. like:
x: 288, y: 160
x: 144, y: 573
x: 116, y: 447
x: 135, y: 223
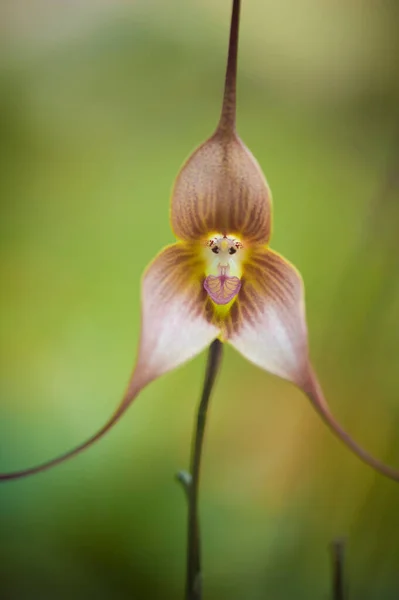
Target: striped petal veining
x: 268, y: 325
x: 174, y: 329
x: 221, y: 188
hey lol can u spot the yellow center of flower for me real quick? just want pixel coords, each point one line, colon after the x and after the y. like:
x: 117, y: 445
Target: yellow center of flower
x: 223, y: 256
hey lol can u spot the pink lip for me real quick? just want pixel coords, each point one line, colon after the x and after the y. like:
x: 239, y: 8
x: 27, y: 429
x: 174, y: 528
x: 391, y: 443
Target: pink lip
x: 221, y: 288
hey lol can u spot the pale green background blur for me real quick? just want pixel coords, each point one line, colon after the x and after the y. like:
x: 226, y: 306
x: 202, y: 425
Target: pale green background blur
x: 100, y: 102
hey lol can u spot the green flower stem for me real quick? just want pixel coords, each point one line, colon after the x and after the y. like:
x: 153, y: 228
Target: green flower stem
x: 338, y: 553
x: 190, y: 481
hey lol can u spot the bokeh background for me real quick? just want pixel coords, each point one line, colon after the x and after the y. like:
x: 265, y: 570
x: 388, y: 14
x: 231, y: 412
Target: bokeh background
x: 100, y: 102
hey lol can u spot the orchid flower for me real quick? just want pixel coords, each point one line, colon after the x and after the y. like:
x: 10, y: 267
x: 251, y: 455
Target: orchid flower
x: 220, y: 279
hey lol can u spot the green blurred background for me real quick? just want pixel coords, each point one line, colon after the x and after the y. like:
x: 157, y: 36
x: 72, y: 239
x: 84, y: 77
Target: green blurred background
x: 100, y: 102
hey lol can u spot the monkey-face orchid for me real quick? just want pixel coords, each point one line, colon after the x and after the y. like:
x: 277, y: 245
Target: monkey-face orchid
x: 221, y: 279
